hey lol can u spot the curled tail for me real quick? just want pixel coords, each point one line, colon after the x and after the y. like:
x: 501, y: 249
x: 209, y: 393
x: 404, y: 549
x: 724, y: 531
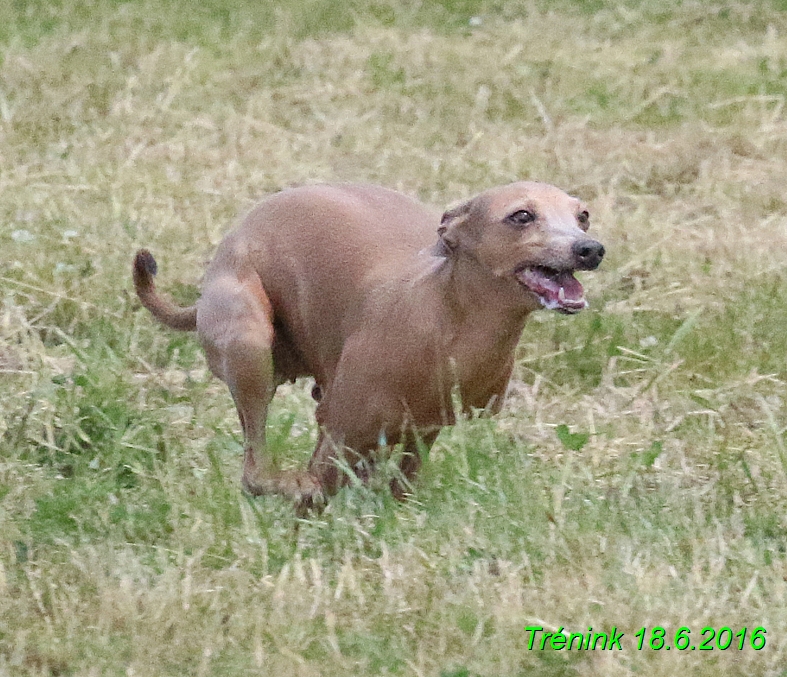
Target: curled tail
x: 166, y: 312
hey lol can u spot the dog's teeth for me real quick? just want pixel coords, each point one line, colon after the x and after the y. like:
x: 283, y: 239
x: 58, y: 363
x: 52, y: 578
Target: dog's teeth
x: 561, y: 295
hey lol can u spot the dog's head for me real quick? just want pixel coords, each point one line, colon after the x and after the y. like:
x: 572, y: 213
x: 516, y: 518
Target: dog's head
x: 532, y: 233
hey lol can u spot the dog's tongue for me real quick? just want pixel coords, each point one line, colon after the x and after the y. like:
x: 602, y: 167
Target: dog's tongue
x: 557, y: 290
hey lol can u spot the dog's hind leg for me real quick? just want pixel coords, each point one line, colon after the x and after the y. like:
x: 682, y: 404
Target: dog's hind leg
x: 235, y: 324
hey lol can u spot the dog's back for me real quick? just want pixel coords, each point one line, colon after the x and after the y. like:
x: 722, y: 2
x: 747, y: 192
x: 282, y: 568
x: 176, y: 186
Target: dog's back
x: 320, y: 251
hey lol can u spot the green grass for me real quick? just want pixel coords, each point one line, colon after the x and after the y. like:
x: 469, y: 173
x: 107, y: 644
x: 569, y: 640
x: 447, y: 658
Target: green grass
x: 637, y: 476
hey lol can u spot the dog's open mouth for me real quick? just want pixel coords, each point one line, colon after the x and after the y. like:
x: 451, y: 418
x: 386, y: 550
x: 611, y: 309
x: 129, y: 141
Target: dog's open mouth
x: 556, y: 289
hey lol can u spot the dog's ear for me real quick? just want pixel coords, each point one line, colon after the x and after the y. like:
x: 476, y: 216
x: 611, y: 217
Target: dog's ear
x: 450, y: 230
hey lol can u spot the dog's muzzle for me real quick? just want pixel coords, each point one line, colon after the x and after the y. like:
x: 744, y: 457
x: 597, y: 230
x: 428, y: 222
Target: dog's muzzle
x: 588, y: 254
x: 559, y: 289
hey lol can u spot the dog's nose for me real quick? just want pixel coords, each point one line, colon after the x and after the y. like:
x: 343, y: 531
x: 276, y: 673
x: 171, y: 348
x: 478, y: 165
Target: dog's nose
x: 588, y: 253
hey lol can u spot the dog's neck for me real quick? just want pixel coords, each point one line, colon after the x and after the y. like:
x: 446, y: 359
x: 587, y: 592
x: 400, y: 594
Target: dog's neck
x: 475, y: 318
x: 485, y: 313
x: 469, y: 286
x: 485, y: 317
x: 466, y: 286
x: 440, y: 249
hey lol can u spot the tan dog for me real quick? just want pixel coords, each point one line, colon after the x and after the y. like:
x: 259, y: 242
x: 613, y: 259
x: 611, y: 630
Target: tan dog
x: 387, y: 306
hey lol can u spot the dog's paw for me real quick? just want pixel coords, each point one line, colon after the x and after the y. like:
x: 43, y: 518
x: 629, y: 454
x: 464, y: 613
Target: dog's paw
x: 307, y: 493
x: 299, y: 486
x: 401, y: 490
x: 309, y: 506
x: 252, y: 486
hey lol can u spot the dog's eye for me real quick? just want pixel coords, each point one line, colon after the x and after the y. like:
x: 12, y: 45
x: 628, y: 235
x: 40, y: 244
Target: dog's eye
x: 583, y: 217
x: 522, y: 217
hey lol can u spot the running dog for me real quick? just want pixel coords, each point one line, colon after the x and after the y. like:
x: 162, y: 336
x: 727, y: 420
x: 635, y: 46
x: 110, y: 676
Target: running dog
x: 390, y: 307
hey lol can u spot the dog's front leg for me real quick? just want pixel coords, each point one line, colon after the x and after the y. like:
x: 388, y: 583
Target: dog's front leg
x: 415, y: 446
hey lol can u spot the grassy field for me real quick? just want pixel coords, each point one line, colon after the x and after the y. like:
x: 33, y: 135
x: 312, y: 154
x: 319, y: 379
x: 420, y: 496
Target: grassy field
x: 637, y: 476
